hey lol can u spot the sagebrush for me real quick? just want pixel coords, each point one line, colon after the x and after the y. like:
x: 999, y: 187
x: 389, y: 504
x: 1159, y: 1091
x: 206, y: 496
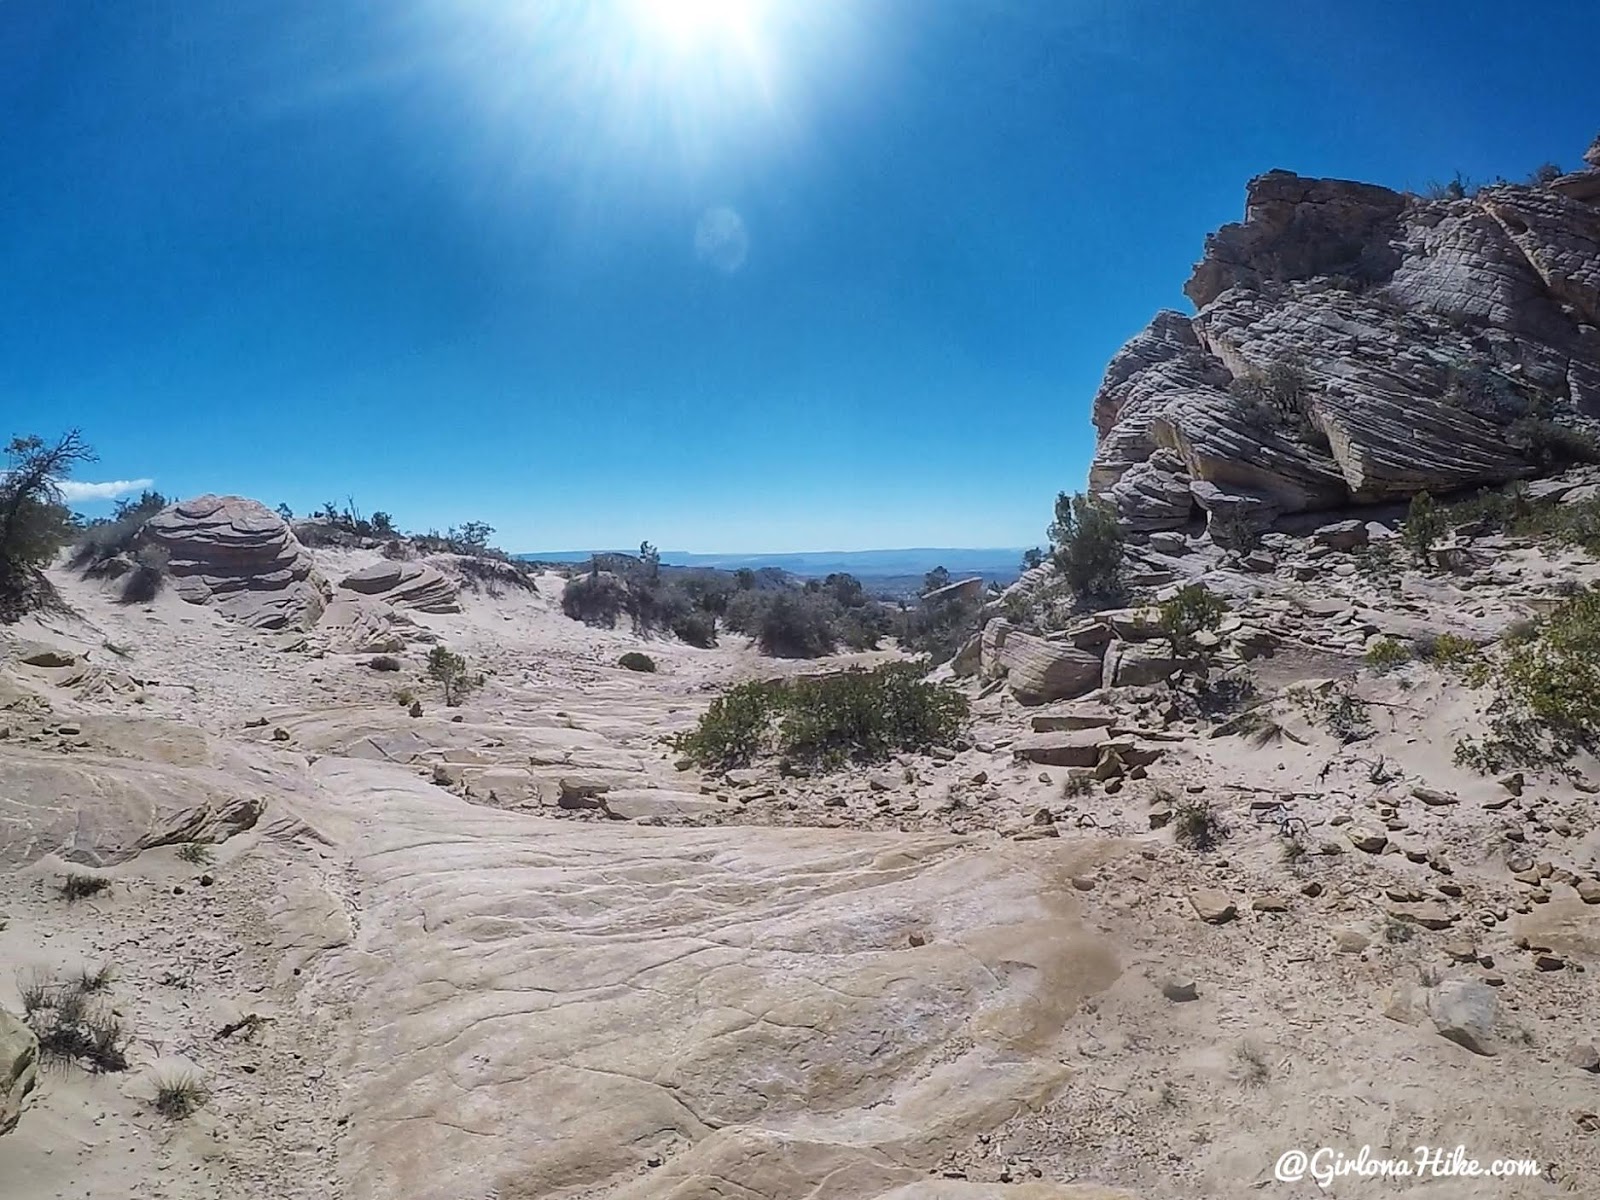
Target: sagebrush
x: 826, y: 721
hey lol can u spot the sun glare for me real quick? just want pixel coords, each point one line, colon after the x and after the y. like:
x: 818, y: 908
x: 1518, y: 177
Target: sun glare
x: 697, y: 24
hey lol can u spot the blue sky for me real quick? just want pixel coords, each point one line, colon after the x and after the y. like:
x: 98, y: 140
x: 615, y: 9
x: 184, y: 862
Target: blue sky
x: 768, y: 275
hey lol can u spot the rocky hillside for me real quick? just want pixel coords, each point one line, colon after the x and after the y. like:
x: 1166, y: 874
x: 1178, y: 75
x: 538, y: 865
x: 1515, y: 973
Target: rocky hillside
x: 1355, y: 345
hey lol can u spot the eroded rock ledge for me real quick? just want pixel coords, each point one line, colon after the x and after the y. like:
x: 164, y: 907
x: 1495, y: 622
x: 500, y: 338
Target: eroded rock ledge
x: 1423, y: 330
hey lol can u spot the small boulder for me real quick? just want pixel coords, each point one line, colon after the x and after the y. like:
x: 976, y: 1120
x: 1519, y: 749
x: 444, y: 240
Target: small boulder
x: 1584, y: 1056
x: 1037, y: 671
x: 1180, y: 990
x: 1212, y: 906
x: 1342, y: 535
x: 1367, y: 840
x: 1350, y: 941
x: 1465, y: 1011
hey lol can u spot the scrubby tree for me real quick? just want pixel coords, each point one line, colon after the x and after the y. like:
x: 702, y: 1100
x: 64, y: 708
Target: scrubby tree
x: 1425, y: 524
x: 793, y: 625
x: 286, y: 512
x: 935, y: 579
x: 846, y: 589
x: 473, y: 536
x: 146, y: 506
x: 1086, y: 546
x: 649, y: 561
x: 34, y: 524
x: 449, y: 671
x: 1032, y: 557
x: 745, y: 579
x: 1194, y: 609
x: 383, y: 524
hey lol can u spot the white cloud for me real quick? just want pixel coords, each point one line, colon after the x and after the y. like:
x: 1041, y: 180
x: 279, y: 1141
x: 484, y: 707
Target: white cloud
x: 74, y: 490
x: 721, y: 240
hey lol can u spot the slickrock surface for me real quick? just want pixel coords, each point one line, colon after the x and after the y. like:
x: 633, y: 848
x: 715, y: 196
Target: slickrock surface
x: 513, y: 950
x: 240, y: 557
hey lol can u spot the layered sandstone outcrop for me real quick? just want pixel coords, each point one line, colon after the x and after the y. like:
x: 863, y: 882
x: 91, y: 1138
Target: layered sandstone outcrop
x: 406, y: 585
x: 1428, y: 341
x: 240, y: 557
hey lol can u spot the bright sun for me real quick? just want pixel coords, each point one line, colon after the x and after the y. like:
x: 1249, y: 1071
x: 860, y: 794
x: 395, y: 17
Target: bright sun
x: 697, y: 24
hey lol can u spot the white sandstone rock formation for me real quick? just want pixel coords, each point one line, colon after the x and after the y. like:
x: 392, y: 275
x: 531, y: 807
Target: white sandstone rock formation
x: 240, y: 557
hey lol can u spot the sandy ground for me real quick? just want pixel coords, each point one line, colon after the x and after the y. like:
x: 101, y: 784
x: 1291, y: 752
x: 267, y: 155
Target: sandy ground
x: 899, y: 981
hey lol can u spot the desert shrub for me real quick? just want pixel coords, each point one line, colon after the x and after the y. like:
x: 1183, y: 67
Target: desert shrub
x: 1551, y: 446
x: 1446, y: 650
x: 1492, y: 510
x: 1233, y: 531
x: 864, y: 716
x: 1224, y: 695
x: 794, y: 625
x: 489, y: 574
x: 1086, y: 546
x: 143, y: 583
x: 697, y: 629
x: 744, y: 609
x: 103, y: 540
x: 595, y: 599
x: 384, y: 662
x: 1397, y: 932
x: 1195, y: 608
x: 1458, y: 188
x: 449, y: 670
x: 196, y: 853
x: 708, y: 591
x: 734, y: 730
x: 634, y: 661
x: 1578, y: 525
x: 1480, y: 388
x: 80, y: 887
x: 939, y: 628
x: 91, y: 982
x: 863, y: 628
x: 178, y: 1097
x: 1275, y: 396
x: 849, y: 716
x: 1196, y: 825
x: 1387, y: 653
x: 935, y: 579
x: 72, y: 1028
x: 1544, y: 173
x: 1546, y: 693
x: 1338, y: 709
x: 1424, y: 525
x: 1375, y: 563
x: 1032, y: 557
